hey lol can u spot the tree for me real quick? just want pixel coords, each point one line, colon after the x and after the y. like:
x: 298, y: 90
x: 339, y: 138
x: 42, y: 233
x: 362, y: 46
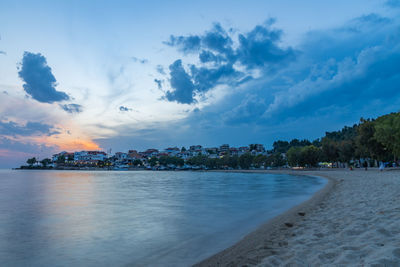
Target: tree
x: 330, y: 151
x: 259, y: 160
x: 281, y: 146
x: 294, y: 156
x: 317, y: 142
x: 45, y: 162
x: 245, y: 161
x: 233, y: 162
x: 183, y: 149
x: 153, y: 161
x: 252, y: 147
x: 275, y: 160
x: 61, y: 159
x: 198, y: 160
x: 346, y: 150
x: 31, y: 161
x: 310, y: 156
x: 307, y: 156
x: 387, y: 132
x: 137, y: 162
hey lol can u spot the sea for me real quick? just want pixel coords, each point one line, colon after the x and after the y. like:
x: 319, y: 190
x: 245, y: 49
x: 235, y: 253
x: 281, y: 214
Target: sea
x: 136, y: 218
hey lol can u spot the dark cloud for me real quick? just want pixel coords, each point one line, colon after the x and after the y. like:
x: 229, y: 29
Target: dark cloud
x: 185, y: 44
x: 218, y: 40
x: 72, y: 108
x: 124, y: 109
x: 40, y: 83
x: 5, y: 92
x: 181, y: 83
x: 207, y: 78
x: 159, y: 83
x: 221, y: 58
x: 339, y: 75
x: 3, y: 53
x: 259, y: 48
x: 10, y: 128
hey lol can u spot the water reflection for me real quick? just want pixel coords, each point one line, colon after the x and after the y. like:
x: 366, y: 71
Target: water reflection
x: 139, y: 218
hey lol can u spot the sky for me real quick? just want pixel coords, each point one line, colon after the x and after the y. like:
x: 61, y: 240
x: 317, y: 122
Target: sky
x: 120, y: 75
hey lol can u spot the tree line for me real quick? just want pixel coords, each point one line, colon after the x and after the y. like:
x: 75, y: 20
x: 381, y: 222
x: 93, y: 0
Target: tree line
x: 372, y: 140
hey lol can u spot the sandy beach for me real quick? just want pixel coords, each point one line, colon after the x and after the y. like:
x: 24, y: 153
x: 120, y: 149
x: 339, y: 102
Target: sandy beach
x: 353, y: 221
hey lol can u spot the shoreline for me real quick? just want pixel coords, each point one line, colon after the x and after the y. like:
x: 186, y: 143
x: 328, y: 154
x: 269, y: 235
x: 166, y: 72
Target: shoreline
x: 352, y: 221
x: 236, y: 255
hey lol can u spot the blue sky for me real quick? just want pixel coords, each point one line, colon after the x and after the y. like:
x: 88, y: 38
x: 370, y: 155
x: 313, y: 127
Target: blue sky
x: 131, y: 75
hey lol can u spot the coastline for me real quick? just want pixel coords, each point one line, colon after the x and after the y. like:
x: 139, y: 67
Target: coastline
x: 352, y: 221
x: 238, y: 254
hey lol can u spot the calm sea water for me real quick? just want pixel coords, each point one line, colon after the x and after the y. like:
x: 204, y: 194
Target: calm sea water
x: 82, y: 218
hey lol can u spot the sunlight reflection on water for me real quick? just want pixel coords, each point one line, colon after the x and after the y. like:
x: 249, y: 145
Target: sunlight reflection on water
x: 137, y: 218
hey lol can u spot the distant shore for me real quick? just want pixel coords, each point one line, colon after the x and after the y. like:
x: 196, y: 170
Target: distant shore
x: 353, y: 220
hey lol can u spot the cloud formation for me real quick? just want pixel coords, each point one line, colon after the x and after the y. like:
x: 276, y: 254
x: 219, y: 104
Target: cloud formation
x: 124, y: 109
x: 11, y: 128
x: 339, y: 75
x: 224, y: 60
x: 39, y: 82
x: 181, y: 82
x: 72, y: 108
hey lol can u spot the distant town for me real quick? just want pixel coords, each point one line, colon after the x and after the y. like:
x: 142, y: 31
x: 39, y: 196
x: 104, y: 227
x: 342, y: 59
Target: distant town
x: 370, y: 143
x: 171, y: 158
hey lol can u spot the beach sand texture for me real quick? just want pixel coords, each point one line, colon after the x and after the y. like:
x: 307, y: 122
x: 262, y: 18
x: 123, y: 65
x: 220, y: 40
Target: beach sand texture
x: 353, y: 221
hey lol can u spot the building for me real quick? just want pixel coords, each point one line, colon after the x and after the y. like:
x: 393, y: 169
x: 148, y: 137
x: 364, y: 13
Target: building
x: 121, y: 156
x: 224, y: 148
x: 152, y: 152
x: 196, y: 147
x: 172, y: 151
x: 133, y: 154
x: 212, y: 150
x: 90, y: 156
x: 67, y: 156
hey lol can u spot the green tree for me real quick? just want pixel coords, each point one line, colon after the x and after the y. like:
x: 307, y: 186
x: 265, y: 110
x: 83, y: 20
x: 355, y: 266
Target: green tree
x: 310, y: 156
x: 307, y: 156
x: 137, y: 162
x: 198, y: 160
x: 245, y: 161
x: 45, y: 162
x: 281, y: 146
x: 153, y: 161
x: 61, y: 159
x: 259, y: 160
x: 252, y: 147
x: 275, y: 160
x: 346, y: 150
x: 212, y: 163
x: 330, y: 151
x: 31, y: 161
x: 387, y: 132
x: 317, y: 142
x: 294, y: 156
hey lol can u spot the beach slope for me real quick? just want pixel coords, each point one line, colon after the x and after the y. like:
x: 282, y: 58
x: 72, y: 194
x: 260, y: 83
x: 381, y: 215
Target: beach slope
x: 354, y: 220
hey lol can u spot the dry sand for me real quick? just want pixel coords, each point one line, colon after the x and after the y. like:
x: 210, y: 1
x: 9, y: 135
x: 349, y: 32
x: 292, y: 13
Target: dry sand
x: 353, y: 221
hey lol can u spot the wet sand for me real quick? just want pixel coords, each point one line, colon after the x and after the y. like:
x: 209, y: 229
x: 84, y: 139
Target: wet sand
x: 354, y: 220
